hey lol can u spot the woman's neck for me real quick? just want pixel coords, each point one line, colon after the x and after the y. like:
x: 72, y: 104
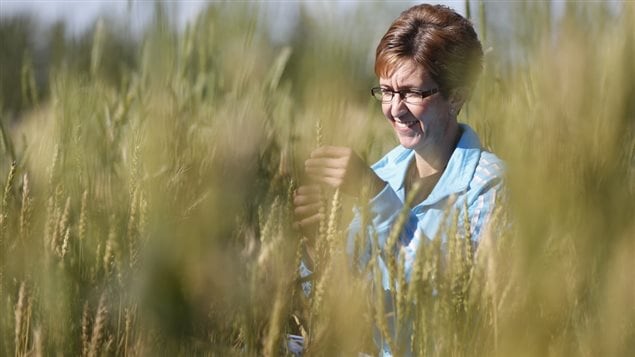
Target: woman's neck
x: 434, y: 158
x: 429, y: 166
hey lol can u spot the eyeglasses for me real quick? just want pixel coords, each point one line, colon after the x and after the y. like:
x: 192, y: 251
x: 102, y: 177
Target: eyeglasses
x: 411, y: 96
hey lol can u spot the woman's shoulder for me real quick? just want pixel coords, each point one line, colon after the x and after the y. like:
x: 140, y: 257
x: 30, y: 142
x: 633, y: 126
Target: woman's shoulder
x: 490, y: 166
x: 489, y: 174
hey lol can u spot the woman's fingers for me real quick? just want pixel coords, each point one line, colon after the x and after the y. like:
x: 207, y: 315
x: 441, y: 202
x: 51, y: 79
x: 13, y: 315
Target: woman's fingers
x: 302, y: 200
x: 325, y: 171
x: 331, y: 151
x: 306, y: 202
x: 334, y: 182
x: 307, y: 210
x: 329, y: 165
x: 306, y: 195
x: 336, y: 166
x: 309, y: 190
x: 309, y: 221
x: 332, y: 163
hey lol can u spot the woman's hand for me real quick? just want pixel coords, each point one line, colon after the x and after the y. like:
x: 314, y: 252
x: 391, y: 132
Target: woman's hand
x: 337, y: 167
x: 341, y: 167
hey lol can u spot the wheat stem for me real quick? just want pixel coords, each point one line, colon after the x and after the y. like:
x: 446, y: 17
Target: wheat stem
x: 21, y: 321
x: 98, y: 327
x: 25, y: 211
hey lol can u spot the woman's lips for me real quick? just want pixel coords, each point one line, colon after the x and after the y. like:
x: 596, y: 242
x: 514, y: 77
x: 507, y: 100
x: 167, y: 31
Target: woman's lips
x: 404, y: 124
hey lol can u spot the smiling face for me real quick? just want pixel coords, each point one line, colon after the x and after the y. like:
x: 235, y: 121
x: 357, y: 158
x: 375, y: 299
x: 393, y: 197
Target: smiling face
x: 422, y: 127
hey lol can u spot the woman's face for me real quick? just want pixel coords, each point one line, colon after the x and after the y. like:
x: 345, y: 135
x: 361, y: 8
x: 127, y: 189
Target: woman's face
x: 417, y: 126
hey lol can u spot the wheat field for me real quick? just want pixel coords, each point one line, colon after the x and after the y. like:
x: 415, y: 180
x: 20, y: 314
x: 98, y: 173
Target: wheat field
x: 146, y: 192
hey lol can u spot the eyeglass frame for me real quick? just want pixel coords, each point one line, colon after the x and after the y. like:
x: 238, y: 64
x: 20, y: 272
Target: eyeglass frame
x: 402, y: 93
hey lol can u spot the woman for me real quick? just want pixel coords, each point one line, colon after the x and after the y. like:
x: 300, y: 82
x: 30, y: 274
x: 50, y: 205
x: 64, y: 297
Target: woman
x: 427, y: 64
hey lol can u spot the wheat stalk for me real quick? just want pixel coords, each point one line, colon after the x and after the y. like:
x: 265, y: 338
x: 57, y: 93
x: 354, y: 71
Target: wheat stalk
x: 81, y: 229
x: 326, y: 256
x: 25, y: 212
x: 38, y: 343
x: 143, y: 218
x: 390, y: 253
x: 98, y: 327
x: 7, y: 187
x: 64, y: 248
x: 128, y: 329
x: 272, y: 338
x: 54, y: 217
x: 132, y: 232
x: 85, y: 330
x: 378, y: 292
x: 111, y: 251
x: 4, y: 208
x: 21, y: 321
x: 401, y: 317
x: 63, y: 231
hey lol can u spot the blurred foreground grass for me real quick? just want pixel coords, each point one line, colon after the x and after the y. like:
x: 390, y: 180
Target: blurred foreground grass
x: 148, y: 213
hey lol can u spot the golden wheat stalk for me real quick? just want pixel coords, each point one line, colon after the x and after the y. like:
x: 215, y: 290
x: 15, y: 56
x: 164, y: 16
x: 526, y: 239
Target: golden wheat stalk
x: 400, y: 309
x: 65, y: 243
x: 111, y: 251
x: 333, y: 220
x: 21, y: 321
x: 322, y: 210
x: 326, y: 258
x: 361, y: 240
x: 63, y: 231
x: 272, y: 338
x: 81, y: 230
x: 128, y: 329
x: 85, y: 342
x: 25, y: 211
x: 98, y: 327
x: 143, y: 218
x: 38, y: 343
x: 8, y: 186
x: 379, y: 294
x: 54, y: 217
x: 391, y: 250
x: 132, y: 232
x: 4, y: 207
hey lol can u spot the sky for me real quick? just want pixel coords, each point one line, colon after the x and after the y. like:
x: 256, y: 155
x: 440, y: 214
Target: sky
x: 80, y: 15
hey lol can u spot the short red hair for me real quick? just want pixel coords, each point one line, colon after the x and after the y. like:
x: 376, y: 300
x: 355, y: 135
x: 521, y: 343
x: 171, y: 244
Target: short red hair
x: 437, y: 38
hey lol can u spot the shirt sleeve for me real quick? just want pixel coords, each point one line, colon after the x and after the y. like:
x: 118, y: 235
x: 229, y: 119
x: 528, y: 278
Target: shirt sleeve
x: 481, y: 210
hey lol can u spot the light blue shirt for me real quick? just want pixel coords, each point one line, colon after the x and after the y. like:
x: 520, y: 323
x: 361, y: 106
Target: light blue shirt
x: 472, y: 179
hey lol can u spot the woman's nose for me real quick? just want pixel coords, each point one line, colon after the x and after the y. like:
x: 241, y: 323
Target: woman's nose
x: 397, y: 106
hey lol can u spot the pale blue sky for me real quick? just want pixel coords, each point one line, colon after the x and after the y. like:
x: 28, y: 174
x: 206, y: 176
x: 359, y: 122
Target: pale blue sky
x: 81, y: 14
x: 282, y: 15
